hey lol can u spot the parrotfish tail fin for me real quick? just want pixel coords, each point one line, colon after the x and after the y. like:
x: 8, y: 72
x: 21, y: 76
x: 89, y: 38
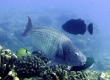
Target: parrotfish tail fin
x: 90, y: 28
x: 28, y: 27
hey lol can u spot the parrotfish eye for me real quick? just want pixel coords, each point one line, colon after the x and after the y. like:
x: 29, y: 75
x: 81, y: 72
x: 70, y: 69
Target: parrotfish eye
x: 76, y: 54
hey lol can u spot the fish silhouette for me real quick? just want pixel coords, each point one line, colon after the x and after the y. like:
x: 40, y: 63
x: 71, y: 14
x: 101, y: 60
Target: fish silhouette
x: 77, y: 26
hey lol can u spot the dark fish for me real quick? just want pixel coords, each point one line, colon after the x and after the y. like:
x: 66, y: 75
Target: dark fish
x: 77, y: 26
x: 89, y: 63
x: 55, y: 45
x: 90, y: 28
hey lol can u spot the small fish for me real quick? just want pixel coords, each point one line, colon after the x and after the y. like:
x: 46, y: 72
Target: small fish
x: 88, y: 64
x: 22, y: 52
x: 55, y: 45
x: 77, y: 26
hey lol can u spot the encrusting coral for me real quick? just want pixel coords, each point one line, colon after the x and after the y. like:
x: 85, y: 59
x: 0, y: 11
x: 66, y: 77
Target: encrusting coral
x: 6, y: 65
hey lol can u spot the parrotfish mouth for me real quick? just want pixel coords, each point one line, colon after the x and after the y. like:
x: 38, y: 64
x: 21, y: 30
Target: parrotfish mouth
x: 76, y: 62
x: 83, y: 63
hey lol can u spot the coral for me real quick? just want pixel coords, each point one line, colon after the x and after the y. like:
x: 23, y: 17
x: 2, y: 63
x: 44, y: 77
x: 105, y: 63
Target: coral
x: 64, y: 75
x: 28, y: 66
x: 35, y: 66
x: 101, y: 76
x: 104, y: 75
x: 41, y: 56
x: 6, y: 65
x: 92, y: 75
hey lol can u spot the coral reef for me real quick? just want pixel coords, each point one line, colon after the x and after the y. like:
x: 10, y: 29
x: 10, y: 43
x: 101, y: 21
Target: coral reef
x: 92, y: 75
x: 28, y: 66
x: 35, y: 66
x: 97, y: 75
x: 6, y: 65
x: 104, y: 75
x: 101, y: 76
x: 41, y: 56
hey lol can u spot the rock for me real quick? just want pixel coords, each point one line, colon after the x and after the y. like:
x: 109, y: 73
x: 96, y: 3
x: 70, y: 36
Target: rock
x: 101, y: 76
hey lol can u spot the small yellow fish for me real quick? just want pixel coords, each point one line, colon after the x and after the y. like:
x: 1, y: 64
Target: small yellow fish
x: 22, y: 52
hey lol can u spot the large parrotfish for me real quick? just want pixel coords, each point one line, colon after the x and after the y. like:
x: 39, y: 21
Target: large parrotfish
x: 55, y: 45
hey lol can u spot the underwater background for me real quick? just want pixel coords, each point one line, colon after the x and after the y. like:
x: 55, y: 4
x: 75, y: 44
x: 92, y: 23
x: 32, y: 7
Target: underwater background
x: 54, y: 13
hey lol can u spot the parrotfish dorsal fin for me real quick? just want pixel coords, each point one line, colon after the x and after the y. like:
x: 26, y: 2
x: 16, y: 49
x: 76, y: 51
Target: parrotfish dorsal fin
x: 28, y: 27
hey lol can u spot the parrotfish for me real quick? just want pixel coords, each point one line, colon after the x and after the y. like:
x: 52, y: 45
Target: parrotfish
x: 55, y: 45
x: 77, y: 26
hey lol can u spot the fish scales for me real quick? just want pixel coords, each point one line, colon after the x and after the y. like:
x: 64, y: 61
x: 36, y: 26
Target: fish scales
x: 47, y: 40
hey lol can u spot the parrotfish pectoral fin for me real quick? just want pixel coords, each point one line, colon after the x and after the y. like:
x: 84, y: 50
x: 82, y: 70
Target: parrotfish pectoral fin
x: 59, y: 53
x: 28, y: 27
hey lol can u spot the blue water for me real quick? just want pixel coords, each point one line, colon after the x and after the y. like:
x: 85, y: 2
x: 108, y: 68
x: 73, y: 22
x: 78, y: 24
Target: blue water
x: 54, y: 13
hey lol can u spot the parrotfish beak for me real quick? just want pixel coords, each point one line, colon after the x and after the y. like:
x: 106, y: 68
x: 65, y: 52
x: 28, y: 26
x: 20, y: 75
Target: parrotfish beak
x: 83, y: 59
